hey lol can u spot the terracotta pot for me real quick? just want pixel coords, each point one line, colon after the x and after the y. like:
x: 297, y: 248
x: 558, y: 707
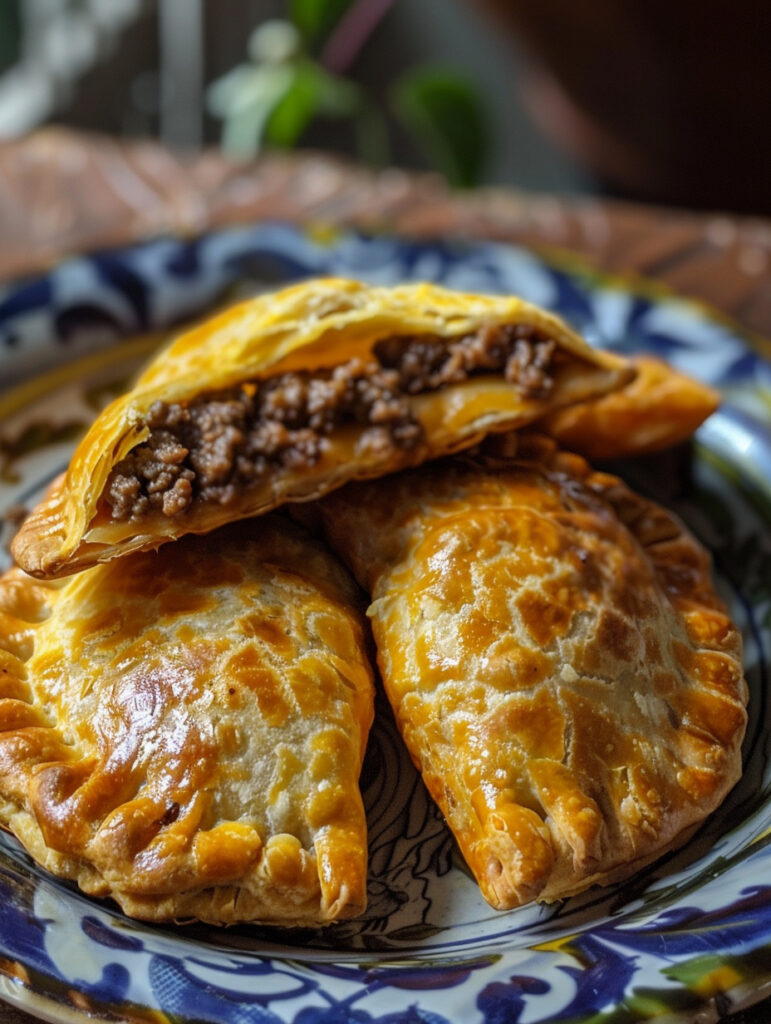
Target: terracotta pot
x: 663, y: 99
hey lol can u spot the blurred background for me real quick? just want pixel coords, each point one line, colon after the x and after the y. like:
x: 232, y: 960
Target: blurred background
x: 661, y: 100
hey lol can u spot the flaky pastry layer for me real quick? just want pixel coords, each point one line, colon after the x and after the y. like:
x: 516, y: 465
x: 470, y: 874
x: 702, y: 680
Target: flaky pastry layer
x: 657, y: 410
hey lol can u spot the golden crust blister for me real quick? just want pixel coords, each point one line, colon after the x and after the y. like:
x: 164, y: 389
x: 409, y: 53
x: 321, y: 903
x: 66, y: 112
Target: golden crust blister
x: 560, y: 667
x: 183, y: 730
x: 318, y: 324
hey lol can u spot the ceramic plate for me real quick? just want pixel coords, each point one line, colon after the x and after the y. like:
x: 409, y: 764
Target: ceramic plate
x: 691, y: 932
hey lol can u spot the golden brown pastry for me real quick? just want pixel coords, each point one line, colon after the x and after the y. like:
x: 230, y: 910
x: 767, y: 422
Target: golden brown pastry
x: 183, y: 731
x: 657, y: 410
x: 290, y: 395
x: 560, y: 667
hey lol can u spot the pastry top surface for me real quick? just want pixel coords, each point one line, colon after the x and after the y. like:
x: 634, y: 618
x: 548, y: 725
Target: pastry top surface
x: 184, y: 730
x: 560, y: 666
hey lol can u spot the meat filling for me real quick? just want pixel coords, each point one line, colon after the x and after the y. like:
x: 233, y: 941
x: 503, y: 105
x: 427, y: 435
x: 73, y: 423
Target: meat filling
x: 212, y: 448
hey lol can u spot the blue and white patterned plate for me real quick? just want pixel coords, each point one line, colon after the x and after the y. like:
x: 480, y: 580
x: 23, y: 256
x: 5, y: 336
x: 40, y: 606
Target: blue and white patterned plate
x: 690, y: 933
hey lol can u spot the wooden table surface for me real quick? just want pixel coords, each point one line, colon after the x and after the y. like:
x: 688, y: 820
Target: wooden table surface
x: 63, y: 193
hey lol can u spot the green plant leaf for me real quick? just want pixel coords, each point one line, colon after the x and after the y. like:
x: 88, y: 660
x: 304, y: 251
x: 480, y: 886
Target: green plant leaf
x: 274, y: 42
x: 293, y: 113
x: 337, y: 96
x: 313, y: 91
x: 244, y: 99
x: 316, y: 18
x: 445, y: 114
x: 225, y: 94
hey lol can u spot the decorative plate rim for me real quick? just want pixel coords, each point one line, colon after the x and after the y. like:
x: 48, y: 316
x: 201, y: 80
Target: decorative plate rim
x: 561, y: 257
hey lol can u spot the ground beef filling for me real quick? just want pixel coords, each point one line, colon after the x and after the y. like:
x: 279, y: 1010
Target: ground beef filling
x: 212, y: 448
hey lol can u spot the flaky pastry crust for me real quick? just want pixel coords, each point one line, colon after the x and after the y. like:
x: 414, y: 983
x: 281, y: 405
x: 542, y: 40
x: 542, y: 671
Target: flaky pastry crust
x: 657, y: 410
x: 310, y: 327
x: 183, y: 731
x: 560, y: 667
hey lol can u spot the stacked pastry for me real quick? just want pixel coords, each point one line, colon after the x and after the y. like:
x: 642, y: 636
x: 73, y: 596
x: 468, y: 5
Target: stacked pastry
x: 185, y: 679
